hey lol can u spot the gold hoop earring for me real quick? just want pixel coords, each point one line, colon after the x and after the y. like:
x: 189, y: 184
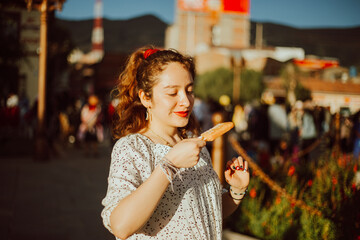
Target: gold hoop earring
x: 148, y: 114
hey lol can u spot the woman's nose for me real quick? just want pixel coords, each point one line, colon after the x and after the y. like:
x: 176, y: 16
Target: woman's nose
x: 185, y: 100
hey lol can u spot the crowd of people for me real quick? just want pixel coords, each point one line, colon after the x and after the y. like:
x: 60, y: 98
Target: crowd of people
x: 83, y: 121
x: 277, y: 132
x: 274, y: 131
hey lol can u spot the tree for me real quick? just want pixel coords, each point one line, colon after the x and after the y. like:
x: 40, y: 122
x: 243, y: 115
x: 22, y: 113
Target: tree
x: 252, y: 85
x: 294, y: 89
x: 213, y: 84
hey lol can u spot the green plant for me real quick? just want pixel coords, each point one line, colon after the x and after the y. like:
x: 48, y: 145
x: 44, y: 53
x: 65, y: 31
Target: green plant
x: 326, y: 184
x: 214, y: 84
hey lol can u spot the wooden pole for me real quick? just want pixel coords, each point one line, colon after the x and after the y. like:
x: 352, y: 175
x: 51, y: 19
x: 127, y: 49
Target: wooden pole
x: 218, y: 149
x: 41, y: 141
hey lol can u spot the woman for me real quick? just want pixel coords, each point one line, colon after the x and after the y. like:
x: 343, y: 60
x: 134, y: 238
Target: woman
x: 161, y: 182
x: 91, y: 129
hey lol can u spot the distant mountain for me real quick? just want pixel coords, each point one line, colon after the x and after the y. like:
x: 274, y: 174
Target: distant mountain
x: 340, y: 43
x: 124, y: 36
x: 120, y: 36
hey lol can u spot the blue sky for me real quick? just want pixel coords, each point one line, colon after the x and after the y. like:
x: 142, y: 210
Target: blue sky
x: 300, y: 14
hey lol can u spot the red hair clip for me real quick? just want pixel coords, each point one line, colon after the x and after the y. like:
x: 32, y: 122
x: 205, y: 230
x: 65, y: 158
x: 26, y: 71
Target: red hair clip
x: 150, y: 51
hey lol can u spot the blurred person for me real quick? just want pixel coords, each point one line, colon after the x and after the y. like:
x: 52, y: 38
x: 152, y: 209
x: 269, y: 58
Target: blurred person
x: 308, y: 133
x: 319, y: 118
x: 91, y: 129
x: 11, y: 115
x: 202, y: 113
x: 356, y: 150
x: 327, y: 120
x: 263, y: 155
x: 111, y: 110
x: 239, y: 120
x: 295, y: 123
x: 346, y: 126
x: 278, y: 125
x: 24, y: 107
x: 161, y: 182
x: 110, y: 117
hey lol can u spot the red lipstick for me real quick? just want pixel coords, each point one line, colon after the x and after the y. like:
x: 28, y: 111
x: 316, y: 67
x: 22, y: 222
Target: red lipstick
x: 182, y: 113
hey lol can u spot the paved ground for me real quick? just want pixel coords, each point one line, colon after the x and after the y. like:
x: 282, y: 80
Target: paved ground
x: 55, y: 200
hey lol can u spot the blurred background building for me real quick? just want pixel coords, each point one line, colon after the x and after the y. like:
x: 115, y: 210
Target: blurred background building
x: 20, y: 60
x: 86, y: 56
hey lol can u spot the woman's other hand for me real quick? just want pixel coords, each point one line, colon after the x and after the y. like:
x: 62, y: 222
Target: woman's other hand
x: 237, y: 174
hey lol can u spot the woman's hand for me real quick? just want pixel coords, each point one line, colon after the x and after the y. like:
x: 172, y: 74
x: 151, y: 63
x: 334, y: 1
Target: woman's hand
x: 237, y: 174
x: 185, y: 154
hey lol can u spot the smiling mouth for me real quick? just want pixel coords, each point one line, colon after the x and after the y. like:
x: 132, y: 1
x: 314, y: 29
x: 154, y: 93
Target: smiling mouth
x: 182, y: 114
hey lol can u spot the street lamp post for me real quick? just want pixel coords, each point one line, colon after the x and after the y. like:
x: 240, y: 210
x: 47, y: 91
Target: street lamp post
x: 44, y: 6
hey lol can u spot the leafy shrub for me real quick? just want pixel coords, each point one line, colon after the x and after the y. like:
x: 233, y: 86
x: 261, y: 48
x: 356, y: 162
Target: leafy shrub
x: 326, y: 184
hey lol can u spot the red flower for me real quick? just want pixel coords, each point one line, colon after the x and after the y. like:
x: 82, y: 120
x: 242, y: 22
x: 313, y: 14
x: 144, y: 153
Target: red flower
x: 334, y: 180
x: 353, y: 187
x: 278, y: 200
x: 289, y: 213
x: 355, y: 168
x: 340, y: 161
x: 252, y: 193
x: 310, y: 183
x: 318, y: 173
x: 291, y: 171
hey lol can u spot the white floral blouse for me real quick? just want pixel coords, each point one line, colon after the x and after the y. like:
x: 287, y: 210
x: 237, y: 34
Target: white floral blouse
x: 192, y: 211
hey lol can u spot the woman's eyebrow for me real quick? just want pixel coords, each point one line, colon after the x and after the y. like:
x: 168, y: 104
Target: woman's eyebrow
x: 172, y: 86
x: 177, y: 86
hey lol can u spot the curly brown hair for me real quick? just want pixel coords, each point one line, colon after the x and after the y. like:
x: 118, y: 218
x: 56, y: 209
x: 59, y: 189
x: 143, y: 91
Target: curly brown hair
x: 142, y: 73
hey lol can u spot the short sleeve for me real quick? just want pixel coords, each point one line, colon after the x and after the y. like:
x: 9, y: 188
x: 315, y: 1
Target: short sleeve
x: 130, y: 165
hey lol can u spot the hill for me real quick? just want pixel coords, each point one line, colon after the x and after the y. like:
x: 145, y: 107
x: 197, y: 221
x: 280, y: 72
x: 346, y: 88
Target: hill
x: 340, y: 43
x: 120, y: 36
x: 123, y: 36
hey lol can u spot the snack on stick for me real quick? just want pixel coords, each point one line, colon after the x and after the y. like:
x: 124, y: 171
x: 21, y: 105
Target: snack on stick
x: 217, y: 131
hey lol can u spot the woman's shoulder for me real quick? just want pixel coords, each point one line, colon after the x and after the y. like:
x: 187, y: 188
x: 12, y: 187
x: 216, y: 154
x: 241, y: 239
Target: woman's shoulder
x: 132, y: 138
x: 132, y: 152
x: 134, y: 141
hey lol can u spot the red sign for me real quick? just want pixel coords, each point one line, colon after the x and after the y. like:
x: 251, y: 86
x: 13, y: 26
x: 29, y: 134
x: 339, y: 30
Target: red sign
x: 237, y: 6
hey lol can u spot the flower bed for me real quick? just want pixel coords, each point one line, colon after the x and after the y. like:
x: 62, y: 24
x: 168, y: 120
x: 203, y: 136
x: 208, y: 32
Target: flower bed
x: 327, y: 186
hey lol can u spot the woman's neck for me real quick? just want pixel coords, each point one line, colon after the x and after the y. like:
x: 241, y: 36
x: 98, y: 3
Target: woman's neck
x: 169, y: 136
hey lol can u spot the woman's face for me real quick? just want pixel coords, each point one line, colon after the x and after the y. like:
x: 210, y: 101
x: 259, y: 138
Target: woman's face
x: 173, y: 99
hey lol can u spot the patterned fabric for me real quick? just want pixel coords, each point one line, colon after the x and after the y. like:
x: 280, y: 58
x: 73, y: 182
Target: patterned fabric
x: 192, y: 211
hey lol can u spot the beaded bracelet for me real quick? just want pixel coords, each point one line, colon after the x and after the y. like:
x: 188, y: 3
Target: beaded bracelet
x: 170, y: 170
x: 238, y: 194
